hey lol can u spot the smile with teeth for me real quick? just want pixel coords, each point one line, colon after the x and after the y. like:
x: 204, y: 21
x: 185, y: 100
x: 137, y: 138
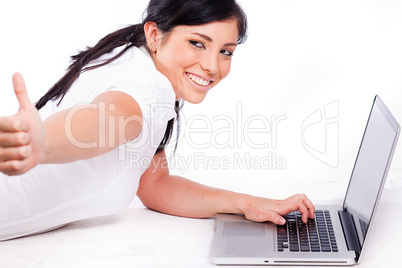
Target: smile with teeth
x: 198, y: 80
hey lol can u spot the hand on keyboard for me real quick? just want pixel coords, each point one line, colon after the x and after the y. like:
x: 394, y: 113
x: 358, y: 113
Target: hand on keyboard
x: 317, y: 235
x: 262, y: 209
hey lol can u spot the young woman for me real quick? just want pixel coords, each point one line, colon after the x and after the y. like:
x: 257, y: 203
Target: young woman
x: 119, y: 99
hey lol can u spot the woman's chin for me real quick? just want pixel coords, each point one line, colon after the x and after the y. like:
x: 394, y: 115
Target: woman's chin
x: 195, y: 98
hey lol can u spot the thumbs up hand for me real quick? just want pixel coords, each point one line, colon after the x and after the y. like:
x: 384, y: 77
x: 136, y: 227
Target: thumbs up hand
x: 22, y: 136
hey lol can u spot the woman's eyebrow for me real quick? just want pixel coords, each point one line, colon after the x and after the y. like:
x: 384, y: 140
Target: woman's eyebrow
x: 209, y: 39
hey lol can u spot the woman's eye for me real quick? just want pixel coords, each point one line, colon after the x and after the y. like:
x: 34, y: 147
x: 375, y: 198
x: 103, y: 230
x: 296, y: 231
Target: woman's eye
x: 227, y: 52
x: 197, y: 44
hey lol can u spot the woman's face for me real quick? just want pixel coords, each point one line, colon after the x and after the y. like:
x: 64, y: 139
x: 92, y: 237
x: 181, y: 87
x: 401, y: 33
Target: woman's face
x: 196, y: 58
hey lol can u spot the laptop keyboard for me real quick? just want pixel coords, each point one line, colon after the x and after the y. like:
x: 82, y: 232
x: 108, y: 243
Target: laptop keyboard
x: 315, y: 236
x: 364, y: 227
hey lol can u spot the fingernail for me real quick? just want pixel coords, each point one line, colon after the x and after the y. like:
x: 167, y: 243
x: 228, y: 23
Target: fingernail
x: 282, y: 221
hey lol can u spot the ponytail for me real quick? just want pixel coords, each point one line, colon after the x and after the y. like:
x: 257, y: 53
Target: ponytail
x: 129, y: 36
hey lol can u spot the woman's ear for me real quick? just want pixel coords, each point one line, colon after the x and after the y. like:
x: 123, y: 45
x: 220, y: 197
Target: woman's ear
x: 151, y: 34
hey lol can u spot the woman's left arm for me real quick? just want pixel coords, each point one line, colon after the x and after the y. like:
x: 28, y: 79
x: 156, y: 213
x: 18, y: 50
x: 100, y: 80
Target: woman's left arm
x: 160, y: 191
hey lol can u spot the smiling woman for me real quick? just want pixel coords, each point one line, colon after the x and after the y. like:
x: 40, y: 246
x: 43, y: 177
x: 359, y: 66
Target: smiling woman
x: 205, y: 56
x: 121, y: 97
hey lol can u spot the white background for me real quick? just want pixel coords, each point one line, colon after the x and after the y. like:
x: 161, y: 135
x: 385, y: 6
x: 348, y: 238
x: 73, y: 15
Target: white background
x: 300, y: 56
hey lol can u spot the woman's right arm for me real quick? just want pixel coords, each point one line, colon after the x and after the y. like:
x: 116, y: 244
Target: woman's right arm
x: 82, y: 132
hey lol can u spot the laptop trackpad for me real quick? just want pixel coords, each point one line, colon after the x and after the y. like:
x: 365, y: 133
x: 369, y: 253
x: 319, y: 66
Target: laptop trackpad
x: 245, y: 239
x: 243, y: 229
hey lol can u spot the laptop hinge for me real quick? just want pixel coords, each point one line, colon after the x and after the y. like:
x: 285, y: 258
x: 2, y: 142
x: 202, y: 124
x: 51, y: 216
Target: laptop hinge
x: 349, y: 230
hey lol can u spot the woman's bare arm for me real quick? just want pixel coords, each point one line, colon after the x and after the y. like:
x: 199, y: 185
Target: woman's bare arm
x: 175, y: 195
x: 82, y: 132
x: 89, y: 130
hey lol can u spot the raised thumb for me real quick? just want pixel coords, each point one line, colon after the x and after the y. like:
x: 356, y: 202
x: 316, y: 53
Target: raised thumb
x: 21, y: 91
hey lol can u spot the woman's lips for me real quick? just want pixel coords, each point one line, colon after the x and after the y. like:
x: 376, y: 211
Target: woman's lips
x: 199, y: 80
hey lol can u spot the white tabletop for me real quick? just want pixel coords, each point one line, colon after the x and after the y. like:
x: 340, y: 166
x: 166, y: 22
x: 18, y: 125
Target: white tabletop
x: 138, y: 237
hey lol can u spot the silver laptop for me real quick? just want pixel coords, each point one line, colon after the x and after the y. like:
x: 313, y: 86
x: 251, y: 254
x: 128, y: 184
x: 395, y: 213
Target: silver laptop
x: 337, y: 235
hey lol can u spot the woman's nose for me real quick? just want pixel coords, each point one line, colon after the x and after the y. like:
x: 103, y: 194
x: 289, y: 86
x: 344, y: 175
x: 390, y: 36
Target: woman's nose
x: 210, y: 64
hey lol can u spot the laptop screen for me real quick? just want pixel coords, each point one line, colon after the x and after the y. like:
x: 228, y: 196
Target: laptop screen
x: 371, y: 167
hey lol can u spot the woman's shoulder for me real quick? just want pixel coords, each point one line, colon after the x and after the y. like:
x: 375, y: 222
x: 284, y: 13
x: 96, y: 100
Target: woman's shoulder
x: 136, y: 75
x: 134, y: 71
x: 137, y: 72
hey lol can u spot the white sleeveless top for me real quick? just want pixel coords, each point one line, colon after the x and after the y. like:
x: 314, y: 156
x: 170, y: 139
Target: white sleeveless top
x: 55, y: 194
